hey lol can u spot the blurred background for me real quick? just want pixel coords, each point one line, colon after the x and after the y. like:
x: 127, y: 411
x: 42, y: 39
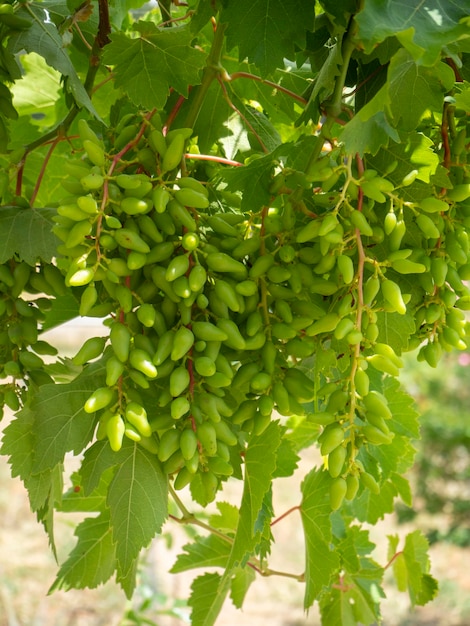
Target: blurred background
x: 441, y: 509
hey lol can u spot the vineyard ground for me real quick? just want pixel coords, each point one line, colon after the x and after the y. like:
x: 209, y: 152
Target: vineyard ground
x: 27, y: 568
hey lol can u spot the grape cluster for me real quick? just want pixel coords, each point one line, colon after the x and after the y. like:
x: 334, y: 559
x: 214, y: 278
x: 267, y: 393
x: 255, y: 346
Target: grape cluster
x: 214, y: 313
x: 26, y: 295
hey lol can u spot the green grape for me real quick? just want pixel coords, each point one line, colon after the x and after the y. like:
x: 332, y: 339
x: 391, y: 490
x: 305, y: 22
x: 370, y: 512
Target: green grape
x: 222, y: 262
x: 179, y: 381
x: 99, y: 399
x: 137, y: 416
x: 338, y: 489
x: 207, y: 436
x: 90, y: 350
x: 114, y: 370
x: 179, y: 407
x: 331, y: 438
x: 370, y: 483
x: 120, y: 338
x: 336, y: 460
x: 188, y: 443
x: 183, y: 341
x: 392, y: 294
x: 173, y: 153
x: 94, y: 152
x: 142, y: 362
x: 352, y: 486
x: 115, y: 429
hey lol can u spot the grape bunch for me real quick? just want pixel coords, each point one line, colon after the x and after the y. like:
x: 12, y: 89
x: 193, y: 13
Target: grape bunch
x: 26, y: 295
x: 217, y: 316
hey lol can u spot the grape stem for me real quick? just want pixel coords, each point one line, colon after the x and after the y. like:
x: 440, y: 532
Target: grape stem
x: 212, y: 157
x: 269, y: 83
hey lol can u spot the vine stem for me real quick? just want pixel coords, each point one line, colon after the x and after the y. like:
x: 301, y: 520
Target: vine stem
x: 269, y: 83
x: 211, y: 71
x: 44, y: 165
x: 214, y: 158
x: 285, y: 514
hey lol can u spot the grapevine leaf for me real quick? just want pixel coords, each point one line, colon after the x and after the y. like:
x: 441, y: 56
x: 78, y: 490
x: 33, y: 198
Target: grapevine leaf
x: 63, y: 309
x: 422, y: 88
x: 395, y: 329
x: 211, y: 551
x: 267, y: 33
x: 462, y: 99
x: 138, y: 503
x: 286, y: 459
x: 260, y: 464
x: 38, y: 90
x: 214, y: 113
x: 423, y: 28
x: 92, y: 560
x: 355, y: 599
x: 370, y: 129
x: 321, y: 561
x: 97, y: 459
x: 148, y: 65
x: 18, y: 443
x: 208, y: 593
x: 227, y: 518
x: 44, y: 39
x: 241, y: 581
x: 75, y: 498
x: 370, y: 507
x: 414, y: 153
x: 411, y: 568
x: 324, y: 85
x: 253, y: 181
x: 303, y: 433
x: 27, y: 233
x: 61, y: 424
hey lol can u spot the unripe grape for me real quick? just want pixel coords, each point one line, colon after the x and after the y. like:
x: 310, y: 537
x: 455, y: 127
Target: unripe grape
x: 336, y: 459
x: 338, y: 489
x: 179, y: 381
x: 370, y: 483
x: 142, y: 362
x: 392, y: 294
x: 207, y: 436
x: 99, y: 399
x: 352, y: 484
x: 115, y: 429
x: 90, y: 350
x: 331, y: 438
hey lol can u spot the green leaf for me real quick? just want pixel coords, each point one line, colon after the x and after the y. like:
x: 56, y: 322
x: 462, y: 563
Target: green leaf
x: 75, y: 499
x: 370, y: 129
x: 138, y: 503
x: 414, y: 153
x: 63, y: 309
x: 370, y: 507
x: 44, y: 39
x: 92, y: 560
x: 321, y: 562
x: 227, y: 518
x: 39, y: 89
x: 253, y: 181
x: 355, y: 598
x: 286, y: 459
x: 260, y: 463
x: 395, y: 330
x: 147, y: 66
x: 266, y: 33
x: 241, y: 582
x: 210, y: 551
x: 421, y: 88
x: 423, y: 28
x: 61, y: 425
x: 208, y: 593
x: 28, y: 234
x: 302, y: 432
x: 411, y: 568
